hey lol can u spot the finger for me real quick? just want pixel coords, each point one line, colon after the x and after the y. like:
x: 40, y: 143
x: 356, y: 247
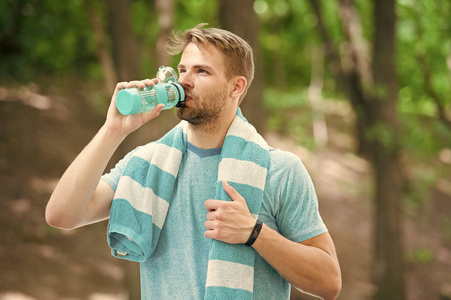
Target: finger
x: 232, y: 192
x: 155, y: 112
x: 212, y: 205
x: 211, y: 216
x: 137, y: 83
x: 121, y: 85
x: 150, y: 82
x: 159, y: 107
x: 209, y: 225
x: 210, y: 234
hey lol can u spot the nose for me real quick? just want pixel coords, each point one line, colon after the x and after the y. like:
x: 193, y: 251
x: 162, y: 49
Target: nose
x: 185, y: 81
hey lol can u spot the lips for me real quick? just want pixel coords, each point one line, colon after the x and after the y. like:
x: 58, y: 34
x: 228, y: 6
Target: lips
x: 185, y: 101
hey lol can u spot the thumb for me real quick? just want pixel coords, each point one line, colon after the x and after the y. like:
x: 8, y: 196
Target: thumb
x: 232, y: 192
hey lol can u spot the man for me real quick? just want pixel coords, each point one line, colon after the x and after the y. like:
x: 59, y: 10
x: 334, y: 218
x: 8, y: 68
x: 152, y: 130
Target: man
x: 290, y: 240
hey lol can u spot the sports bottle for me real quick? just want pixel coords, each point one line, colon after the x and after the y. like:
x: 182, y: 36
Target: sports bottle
x: 168, y: 91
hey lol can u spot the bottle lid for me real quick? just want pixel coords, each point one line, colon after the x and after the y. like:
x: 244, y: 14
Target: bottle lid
x: 128, y: 101
x: 166, y: 75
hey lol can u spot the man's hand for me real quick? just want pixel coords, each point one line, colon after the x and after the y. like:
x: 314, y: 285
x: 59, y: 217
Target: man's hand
x: 81, y: 198
x: 230, y: 222
x: 311, y: 266
x: 120, y: 124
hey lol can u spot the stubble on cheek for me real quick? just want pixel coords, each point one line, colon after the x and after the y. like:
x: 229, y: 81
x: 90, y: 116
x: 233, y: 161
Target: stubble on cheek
x: 206, y: 111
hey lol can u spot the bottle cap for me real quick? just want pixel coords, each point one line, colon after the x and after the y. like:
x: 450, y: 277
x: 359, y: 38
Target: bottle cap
x: 166, y: 75
x: 128, y: 101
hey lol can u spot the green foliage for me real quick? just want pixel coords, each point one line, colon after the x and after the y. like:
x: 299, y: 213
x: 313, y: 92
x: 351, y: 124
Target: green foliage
x: 191, y: 13
x: 423, y: 34
x: 423, y: 47
x: 381, y: 134
x: 422, y: 139
x: 289, y: 113
x: 420, y: 255
x: 286, y: 41
x: 424, y: 136
x: 144, y: 20
x: 54, y: 38
x: 44, y: 37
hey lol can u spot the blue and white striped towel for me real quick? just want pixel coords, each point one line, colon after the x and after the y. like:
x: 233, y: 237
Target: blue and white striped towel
x: 145, y: 190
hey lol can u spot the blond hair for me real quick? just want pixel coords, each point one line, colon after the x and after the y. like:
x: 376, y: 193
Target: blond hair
x: 238, y: 54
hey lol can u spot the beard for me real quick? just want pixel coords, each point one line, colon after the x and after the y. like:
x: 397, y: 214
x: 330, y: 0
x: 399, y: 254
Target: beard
x: 206, y: 112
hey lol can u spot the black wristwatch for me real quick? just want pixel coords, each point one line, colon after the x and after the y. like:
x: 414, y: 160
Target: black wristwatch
x: 255, y: 232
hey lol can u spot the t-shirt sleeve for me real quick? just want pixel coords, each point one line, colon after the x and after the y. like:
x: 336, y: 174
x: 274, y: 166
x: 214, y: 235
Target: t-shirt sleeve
x: 112, y: 177
x: 298, y: 215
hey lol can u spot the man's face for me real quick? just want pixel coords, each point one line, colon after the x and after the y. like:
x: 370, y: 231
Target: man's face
x: 202, y: 75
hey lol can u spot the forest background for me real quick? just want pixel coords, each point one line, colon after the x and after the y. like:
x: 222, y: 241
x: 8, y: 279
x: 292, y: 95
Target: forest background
x: 360, y: 90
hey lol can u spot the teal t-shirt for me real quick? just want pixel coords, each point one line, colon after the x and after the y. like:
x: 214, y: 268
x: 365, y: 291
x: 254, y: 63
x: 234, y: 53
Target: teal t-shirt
x: 178, y: 267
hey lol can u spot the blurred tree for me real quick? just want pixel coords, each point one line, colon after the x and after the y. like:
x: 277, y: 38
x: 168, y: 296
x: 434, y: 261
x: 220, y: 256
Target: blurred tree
x: 388, y: 269
x: 351, y: 70
x: 102, y: 45
x: 42, y: 38
x: 10, y: 28
x: 315, y: 98
x: 126, y: 47
x: 165, y: 10
x: 54, y: 44
x: 239, y: 17
x: 371, y: 86
x: 426, y: 70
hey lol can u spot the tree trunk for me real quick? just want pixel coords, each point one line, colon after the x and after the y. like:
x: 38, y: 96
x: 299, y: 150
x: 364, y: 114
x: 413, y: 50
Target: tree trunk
x: 358, y: 55
x: 127, y: 59
x: 165, y: 10
x: 315, y: 97
x: 374, y: 99
x: 103, y: 52
x: 346, y: 75
x: 389, y: 269
x: 125, y: 45
x: 239, y: 17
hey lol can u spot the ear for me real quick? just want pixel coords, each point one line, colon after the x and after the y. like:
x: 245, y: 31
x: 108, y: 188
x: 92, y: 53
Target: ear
x: 238, y: 86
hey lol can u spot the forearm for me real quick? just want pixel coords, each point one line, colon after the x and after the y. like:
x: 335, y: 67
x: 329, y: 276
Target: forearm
x: 68, y: 205
x: 308, y: 268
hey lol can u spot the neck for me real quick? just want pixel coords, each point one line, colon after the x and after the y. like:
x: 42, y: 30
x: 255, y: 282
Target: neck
x: 212, y: 135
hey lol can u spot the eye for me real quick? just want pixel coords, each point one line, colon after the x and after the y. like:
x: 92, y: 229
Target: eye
x: 203, y: 71
x: 182, y: 71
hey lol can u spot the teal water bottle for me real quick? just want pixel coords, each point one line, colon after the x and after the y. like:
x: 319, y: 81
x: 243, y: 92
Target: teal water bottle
x: 168, y: 92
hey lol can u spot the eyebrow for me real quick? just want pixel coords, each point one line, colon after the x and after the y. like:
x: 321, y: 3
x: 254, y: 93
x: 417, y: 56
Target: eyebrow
x: 181, y: 66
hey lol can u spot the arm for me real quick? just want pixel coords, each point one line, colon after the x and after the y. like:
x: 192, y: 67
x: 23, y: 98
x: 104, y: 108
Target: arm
x: 310, y: 266
x: 80, y: 197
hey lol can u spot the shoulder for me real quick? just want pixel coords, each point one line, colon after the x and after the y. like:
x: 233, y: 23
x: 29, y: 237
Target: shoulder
x: 290, y: 203
x: 283, y: 162
x: 287, y: 175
